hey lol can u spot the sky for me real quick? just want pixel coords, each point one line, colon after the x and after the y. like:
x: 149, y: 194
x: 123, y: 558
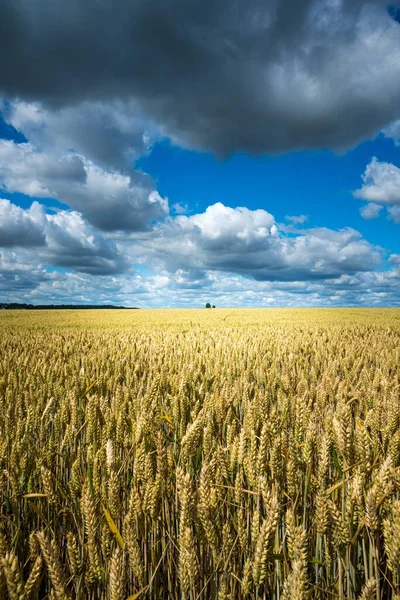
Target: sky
x: 172, y: 154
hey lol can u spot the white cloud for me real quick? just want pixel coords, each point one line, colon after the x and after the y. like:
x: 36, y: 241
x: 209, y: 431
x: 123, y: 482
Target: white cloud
x: 248, y: 243
x: 297, y: 219
x: 110, y: 200
x: 112, y: 135
x: 381, y: 183
x: 21, y: 281
x: 63, y: 239
x: 180, y: 209
x: 220, y: 223
x: 230, y: 256
x: 394, y: 213
x: 393, y: 131
x: 381, y: 187
x: 21, y: 227
x: 370, y: 211
x: 19, y: 277
x: 23, y: 169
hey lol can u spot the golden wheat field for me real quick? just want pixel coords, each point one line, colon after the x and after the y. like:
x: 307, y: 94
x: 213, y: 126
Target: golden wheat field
x: 200, y: 454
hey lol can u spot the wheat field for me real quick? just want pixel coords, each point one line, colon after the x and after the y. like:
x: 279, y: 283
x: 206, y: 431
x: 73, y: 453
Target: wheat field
x: 200, y: 454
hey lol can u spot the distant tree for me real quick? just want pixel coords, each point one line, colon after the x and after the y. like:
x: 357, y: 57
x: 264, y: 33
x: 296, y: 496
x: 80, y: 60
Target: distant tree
x: 213, y: 306
x: 208, y: 305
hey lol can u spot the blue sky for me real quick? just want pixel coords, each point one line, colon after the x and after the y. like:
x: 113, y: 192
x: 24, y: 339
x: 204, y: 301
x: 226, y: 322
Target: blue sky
x: 318, y: 184
x: 247, y: 156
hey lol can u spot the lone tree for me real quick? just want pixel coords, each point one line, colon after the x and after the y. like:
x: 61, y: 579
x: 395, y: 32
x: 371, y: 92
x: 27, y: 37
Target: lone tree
x: 208, y: 305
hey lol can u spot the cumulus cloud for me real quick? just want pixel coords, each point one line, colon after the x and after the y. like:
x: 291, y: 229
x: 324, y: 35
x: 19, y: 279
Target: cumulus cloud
x: 18, y: 275
x: 254, y: 76
x: 381, y: 183
x: 62, y: 239
x: 112, y: 135
x: 21, y: 227
x: 109, y: 200
x: 248, y: 243
x: 381, y: 187
x: 23, y: 169
x: 370, y: 211
x: 71, y: 243
x: 237, y: 255
x: 220, y: 225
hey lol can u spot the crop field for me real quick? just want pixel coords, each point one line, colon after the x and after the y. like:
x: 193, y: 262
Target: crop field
x: 200, y: 454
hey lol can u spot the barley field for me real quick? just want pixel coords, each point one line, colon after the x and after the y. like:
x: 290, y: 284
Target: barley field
x: 200, y: 454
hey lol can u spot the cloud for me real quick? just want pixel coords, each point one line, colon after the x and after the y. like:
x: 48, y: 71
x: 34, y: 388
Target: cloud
x: 18, y: 276
x: 112, y: 135
x: 26, y: 283
x: 381, y: 183
x: 224, y: 76
x: 108, y: 199
x: 370, y: 211
x: 394, y: 259
x: 381, y: 187
x: 62, y: 239
x: 180, y: 209
x: 393, y: 131
x: 72, y: 244
x: 234, y: 256
x: 21, y: 227
x: 23, y: 169
x: 297, y: 220
x: 220, y: 225
x: 394, y: 214
x: 248, y: 243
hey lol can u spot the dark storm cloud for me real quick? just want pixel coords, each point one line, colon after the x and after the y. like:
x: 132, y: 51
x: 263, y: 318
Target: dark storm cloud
x: 216, y: 74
